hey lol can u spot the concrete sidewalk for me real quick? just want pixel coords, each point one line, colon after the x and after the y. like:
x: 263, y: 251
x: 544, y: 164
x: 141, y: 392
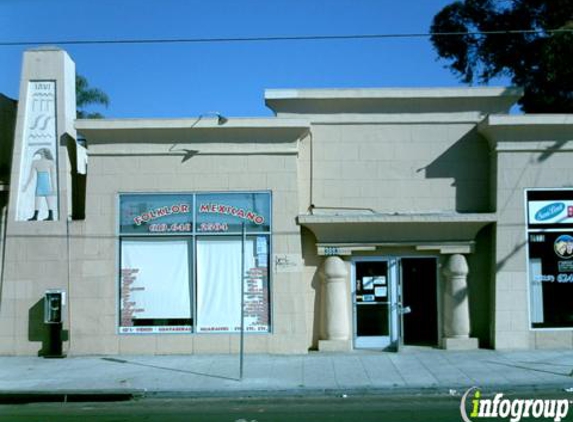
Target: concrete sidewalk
x: 362, y: 372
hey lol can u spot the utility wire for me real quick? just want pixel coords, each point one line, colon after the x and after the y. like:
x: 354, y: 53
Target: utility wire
x: 281, y: 38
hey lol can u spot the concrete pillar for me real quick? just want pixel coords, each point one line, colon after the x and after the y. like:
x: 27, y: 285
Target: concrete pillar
x: 45, y: 121
x: 456, y: 311
x: 335, y: 329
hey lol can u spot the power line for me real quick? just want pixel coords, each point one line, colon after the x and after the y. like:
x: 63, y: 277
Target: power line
x: 280, y: 38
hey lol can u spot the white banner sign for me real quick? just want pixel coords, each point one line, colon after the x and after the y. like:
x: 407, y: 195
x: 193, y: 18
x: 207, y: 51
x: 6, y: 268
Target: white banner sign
x: 155, y: 280
x: 550, y: 212
x: 219, y: 287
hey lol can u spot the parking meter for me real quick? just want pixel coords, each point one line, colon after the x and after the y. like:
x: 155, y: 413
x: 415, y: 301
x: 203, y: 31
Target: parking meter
x: 54, y: 303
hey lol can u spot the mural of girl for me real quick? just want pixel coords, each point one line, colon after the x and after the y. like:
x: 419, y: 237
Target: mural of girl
x: 44, y: 168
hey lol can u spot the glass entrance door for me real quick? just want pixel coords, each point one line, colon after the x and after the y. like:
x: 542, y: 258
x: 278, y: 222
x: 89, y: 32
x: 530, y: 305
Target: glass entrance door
x: 375, y: 303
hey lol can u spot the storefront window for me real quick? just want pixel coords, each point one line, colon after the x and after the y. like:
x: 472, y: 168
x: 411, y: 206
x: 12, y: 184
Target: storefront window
x: 550, y: 254
x: 145, y: 214
x: 228, y: 212
x: 181, y: 261
x: 155, y: 285
x: 219, y: 284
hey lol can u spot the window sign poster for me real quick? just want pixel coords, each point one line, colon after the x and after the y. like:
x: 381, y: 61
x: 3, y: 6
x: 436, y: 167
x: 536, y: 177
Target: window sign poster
x: 156, y: 214
x: 38, y: 185
x: 263, y: 261
x: 155, y: 289
x: 551, y: 279
x: 550, y: 254
x: 262, y: 248
x: 219, y: 286
x: 227, y: 212
x: 550, y: 212
x: 370, y: 282
x: 369, y: 276
x: 256, y: 299
x: 262, y: 251
x: 160, y: 243
x: 550, y: 209
x: 381, y: 291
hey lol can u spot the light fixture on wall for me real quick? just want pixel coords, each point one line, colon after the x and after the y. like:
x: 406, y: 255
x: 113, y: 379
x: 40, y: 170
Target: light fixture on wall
x: 188, y: 154
x: 221, y: 120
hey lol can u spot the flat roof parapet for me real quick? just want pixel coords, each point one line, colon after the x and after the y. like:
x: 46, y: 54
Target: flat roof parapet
x: 189, y: 123
x: 192, y: 130
x: 529, y: 132
x: 486, y: 100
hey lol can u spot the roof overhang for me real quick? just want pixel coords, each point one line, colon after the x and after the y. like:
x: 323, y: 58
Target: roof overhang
x: 391, y: 100
x: 529, y: 132
x: 446, y: 233
x: 158, y: 136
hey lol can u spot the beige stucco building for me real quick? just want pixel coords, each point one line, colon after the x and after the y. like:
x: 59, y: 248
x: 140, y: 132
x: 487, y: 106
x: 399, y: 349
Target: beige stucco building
x: 357, y: 218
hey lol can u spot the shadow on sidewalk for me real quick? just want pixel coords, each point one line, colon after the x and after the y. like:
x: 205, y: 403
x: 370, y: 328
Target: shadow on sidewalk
x: 528, y: 368
x: 114, y: 360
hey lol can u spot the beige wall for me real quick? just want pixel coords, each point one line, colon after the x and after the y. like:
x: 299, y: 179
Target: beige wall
x: 36, y: 253
x: 479, y: 284
x: 408, y: 167
x: 518, y: 170
x: 382, y: 154
x: 400, y: 168
x: 94, y: 301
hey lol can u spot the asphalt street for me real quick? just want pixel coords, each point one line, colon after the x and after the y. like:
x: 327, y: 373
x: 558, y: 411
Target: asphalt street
x: 413, y: 408
x: 332, y: 409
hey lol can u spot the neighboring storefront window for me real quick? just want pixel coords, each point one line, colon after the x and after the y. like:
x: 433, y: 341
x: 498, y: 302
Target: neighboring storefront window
x: 550, y: 255
x: 181, y: 261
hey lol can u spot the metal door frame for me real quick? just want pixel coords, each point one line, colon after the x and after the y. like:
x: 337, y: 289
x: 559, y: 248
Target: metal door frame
x: 380, y: 342
x: 395, y: 300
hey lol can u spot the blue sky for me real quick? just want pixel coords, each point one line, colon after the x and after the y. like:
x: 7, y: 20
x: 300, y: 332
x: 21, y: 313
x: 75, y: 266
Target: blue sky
x: 179, y: 80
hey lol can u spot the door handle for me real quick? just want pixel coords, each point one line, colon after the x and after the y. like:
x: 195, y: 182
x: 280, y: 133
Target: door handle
x: 405, y: 310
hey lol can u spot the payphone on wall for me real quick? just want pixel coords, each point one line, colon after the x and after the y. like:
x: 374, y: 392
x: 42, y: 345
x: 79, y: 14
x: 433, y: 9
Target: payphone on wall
x: 54, y: 302
x: 54, y: 305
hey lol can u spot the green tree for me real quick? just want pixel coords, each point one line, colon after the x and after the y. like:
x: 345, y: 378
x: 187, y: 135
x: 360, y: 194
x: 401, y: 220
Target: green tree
x: 86, y: 96
x: 540, y: 60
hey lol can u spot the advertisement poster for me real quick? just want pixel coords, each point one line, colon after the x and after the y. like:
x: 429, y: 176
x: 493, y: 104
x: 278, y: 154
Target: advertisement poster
x: 219, y: 287
x: 550, y: 257
x: 155, y: 290
x: 551, y: 279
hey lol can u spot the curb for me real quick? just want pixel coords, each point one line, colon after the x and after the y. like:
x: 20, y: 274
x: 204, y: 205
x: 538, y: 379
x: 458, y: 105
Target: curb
x: 69, y: 396
x: 453, y: 391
